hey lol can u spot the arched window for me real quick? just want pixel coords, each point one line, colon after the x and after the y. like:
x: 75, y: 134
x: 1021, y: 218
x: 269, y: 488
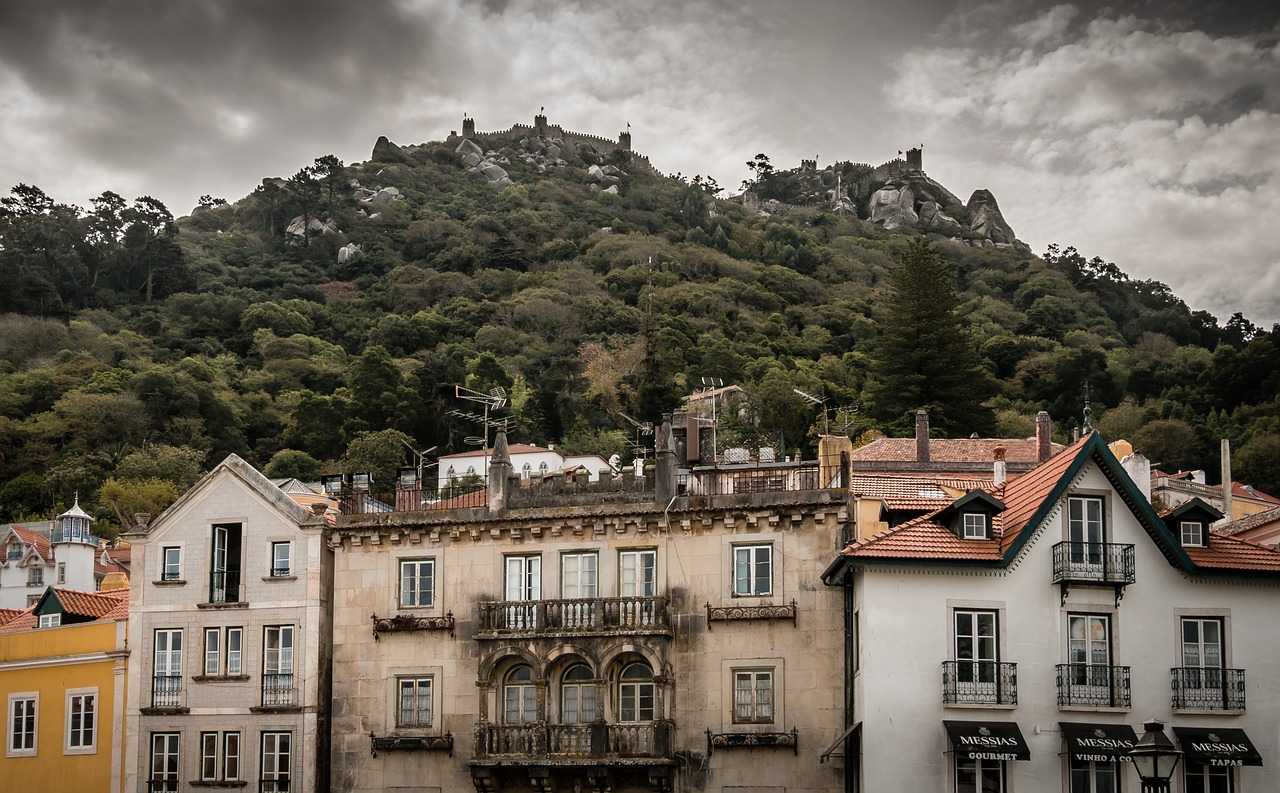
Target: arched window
x: 635, y: 693
x: 542, y: 468
x: 471, y: 470
x: 520, y: 696
x: 526, y: 471
x: 577, y: 696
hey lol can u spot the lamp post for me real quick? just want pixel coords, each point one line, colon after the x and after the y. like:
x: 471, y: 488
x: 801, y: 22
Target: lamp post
x: 1154, y: 758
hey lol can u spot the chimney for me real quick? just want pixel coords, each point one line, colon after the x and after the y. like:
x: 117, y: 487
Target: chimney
x: 141, y: 519
x: 922, y: 436
x: 499, y: 472
x: 1044, y: 436
x: 1226, y: 480
x: 998, y: 465
x: 1139, y: 470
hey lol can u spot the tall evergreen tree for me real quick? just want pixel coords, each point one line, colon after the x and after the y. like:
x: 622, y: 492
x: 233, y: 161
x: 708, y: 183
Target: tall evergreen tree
x: 926, y: 357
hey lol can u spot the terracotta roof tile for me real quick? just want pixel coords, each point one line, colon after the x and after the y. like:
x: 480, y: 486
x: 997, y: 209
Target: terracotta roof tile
x: 924, y: 538
x: 1232, y: 553
x: 1023, y: 496
x: 91, y: 604
x: 1251, y: 521
x: 1248, y: 491
x: 25, y: 621
x: 33, y: 537
x: 7, y: 615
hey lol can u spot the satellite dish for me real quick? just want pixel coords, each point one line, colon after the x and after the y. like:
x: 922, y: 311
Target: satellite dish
x: 473, y: 440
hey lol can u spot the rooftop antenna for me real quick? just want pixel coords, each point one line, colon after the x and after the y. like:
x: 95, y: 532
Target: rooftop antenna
x: 822, y: 403
x: 642, y: 428
x: 421, y: 457
x: 496, y: 398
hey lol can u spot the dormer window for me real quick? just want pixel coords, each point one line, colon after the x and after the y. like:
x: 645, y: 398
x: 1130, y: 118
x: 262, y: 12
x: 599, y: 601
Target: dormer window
x: 974, y: 526
x: 1192, y: 533
x: 15, y: 550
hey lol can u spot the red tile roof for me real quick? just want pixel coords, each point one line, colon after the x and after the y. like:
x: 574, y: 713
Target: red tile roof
x: 7, y: 615
x: 1023, y: 496
x: 98, y: 606
x: 1251, y: 521
x: 25, y: 621
x: 33, y: 537
x: 1232, y: 553
x: 476, y: 498
x: 950, y: 450
x: 925, y: 538
x: 1249, y: 491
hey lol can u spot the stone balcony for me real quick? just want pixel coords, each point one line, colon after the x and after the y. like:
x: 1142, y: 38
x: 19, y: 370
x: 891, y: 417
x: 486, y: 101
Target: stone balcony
x: 609, y: 616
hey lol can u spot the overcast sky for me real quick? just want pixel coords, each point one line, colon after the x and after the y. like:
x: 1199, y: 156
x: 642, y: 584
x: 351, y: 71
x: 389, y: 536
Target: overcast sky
x: 1146, y: 133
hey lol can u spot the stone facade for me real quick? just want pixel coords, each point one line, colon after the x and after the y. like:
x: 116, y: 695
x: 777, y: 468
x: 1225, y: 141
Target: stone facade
x: 674, y: 642
x: 212, y: 563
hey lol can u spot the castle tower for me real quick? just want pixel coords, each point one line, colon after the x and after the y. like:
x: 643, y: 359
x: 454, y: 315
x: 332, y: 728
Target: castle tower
x: 624, y: 139
x: 915, y: 157
x: 540, y: 124
x: 809, y: 166
x: 468, y: 127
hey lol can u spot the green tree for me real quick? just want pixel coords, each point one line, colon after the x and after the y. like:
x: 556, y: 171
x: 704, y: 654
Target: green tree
x: 128, y: 497
x: 1258, y: 463
x: 178, y: 464
x: 379, y: 453
x: 293, y: 464
x: 1170, y: 444
x: 925, y: 356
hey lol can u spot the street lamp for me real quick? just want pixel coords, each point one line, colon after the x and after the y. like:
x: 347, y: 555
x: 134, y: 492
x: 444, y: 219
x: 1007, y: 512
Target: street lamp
x: 1154, y: 758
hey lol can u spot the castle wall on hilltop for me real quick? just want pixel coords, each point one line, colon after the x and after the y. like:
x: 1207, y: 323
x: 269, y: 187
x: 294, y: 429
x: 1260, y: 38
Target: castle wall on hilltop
x: 541, y: 128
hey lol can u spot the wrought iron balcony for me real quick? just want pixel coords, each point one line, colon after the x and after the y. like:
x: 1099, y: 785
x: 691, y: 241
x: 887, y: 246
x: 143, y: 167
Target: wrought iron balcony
x: 1105, y: 563
x: 597, y: 742
x: 166, y: 691
x: 1094, y: 686
x: 574, y: 616
x: 224, y: 586
x: 979, y: 683
x: 1207, y: 688
x: 277, y: 690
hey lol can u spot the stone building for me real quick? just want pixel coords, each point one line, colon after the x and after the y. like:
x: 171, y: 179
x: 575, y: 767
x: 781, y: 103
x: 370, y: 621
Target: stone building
x: 230, y: 630
x: 626, y: 634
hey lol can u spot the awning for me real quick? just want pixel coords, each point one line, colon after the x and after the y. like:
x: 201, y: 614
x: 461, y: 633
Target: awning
x: 1218, y: 745
x: 988, y: 740
x: 838, y: 743
x: 1099, y: 743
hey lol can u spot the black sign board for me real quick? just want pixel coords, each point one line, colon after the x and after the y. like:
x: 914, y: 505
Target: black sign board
x: 987, y: 740
x: 1099, y: 743
x: 1218, y: 746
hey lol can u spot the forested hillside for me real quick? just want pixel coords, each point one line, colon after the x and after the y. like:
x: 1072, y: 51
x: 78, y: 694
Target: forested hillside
x: 309, y: 324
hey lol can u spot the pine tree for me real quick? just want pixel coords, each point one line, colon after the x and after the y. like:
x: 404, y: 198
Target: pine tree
x: 925, y: 356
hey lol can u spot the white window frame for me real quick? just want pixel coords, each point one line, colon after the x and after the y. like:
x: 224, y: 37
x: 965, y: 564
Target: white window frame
x: 1206, y: 773
x: 171, y: 754
x: 578, y: 695
x: 209, y: 759
x: 228, y: 774
x: 975, y: 526
x: 413, y: 595
x: 276, y: 570
x: 1192, y: 532
x: 1090, y: 770
x: 638, y: 572
x: 277, y: 660
x: 226, y: 750
x: 173, y: 658
x: 978, y: 767
x: 81, y: 738
x: 280, y: 757
x: 419, y: 684
x: 212, y: 652
x: 35, y: 575
x: 50, y: 620
x: 62, y: 573
x: 170, y: 572
x: 519, y: 697
x: 749, y: 707
x: 631, y: 693
x: 579, y: 574
x: 30, y: 702
x: 235, y: 657
x: 749, y: 556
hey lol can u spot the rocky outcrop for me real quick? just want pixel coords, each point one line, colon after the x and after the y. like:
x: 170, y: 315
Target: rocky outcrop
x: 894, y: 205
x: 312, y: 227
x: 386, y: 151
x: 932, y: 215
x: 483, y: 164
x: 986, y: 221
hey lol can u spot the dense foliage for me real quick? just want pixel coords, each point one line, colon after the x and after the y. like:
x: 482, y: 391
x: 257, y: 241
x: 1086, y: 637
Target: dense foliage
x: 137, y: 351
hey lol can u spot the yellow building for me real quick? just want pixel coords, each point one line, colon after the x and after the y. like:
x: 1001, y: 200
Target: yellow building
x: 62, y: 681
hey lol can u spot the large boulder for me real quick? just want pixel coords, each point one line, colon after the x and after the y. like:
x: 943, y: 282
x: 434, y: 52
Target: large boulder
x: 986, y: 220
x: 386, y: 195
x: 386, y: 151
x: 894, y: 206
x: 467, y: 147
x: 492, y: 171
x: 471, y: 159
x: 348, y: 252
x: 932, y: 215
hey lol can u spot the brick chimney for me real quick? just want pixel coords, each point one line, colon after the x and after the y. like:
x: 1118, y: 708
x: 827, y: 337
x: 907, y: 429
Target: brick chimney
x: 1044, y: 433
x: 922, y: 436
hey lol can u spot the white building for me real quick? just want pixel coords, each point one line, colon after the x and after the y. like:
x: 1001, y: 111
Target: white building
x: 1015, y: 641
x: 59, y: 553
x: 230, y: 630
x: 527, y: 462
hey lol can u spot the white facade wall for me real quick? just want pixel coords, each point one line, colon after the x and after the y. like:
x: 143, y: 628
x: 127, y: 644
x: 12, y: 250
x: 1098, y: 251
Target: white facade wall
x: 906, y: 632
x: 223, y: 702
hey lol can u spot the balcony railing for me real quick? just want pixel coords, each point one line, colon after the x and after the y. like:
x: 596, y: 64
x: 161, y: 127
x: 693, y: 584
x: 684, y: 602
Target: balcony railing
x: 277, y: 690
x: 273, y: 786
x: 1094, y: 686
x: 163, y: 786
x: 1093, y: 563
x: 979, y: 683
x: 1207, y: 688
x: 166, y: 691
x: 224, y: 586
x: 577, y: 615
x: 733, y: 480
x: 62, y: 535
x: 573, y: 741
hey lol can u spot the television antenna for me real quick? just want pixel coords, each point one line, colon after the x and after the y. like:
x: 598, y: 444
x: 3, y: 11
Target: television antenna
x: 496, y: 398
x: 822, y: 403
x: 642, y: 428
x: 421, y: 457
